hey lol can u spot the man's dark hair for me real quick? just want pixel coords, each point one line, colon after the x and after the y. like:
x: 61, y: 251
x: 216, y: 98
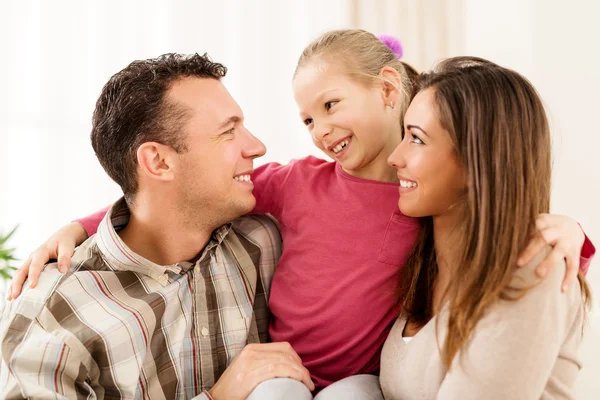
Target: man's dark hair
x: 132, y: 110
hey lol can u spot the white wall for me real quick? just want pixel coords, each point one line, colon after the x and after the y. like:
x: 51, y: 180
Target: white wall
x: 555, y: 44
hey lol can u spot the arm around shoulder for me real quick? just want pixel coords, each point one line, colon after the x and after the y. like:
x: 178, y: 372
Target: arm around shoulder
x: 521, y: 344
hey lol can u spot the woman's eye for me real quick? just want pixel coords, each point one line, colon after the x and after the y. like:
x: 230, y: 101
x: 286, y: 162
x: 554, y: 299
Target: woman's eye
x: 330, y: 104
x: 308, y: 121
x: 416, y: 139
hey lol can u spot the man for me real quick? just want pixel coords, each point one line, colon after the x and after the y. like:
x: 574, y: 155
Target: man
x: 162, y: 301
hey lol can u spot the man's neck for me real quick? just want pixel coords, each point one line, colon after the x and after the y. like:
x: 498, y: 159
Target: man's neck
x: 163, y: 240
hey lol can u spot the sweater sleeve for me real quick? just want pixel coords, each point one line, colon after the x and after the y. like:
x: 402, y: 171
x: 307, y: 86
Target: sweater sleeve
x: 91, y: 222
x: 521, y: 347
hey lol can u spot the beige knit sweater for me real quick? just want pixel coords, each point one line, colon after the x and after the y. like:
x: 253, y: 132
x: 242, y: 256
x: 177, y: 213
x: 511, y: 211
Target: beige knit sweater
x: 524, y: 349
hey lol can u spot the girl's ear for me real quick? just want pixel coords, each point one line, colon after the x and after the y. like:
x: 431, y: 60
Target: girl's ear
x: 391, y: 85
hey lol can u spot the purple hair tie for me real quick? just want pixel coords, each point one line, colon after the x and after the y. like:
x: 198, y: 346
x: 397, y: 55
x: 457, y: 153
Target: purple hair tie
x: 393, y: 43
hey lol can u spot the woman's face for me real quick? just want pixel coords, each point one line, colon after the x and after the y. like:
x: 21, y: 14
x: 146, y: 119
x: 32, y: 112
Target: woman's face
x: 432, y: 179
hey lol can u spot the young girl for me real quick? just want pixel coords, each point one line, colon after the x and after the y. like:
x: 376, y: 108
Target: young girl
x: 471, y: 325
x: 333, y: 295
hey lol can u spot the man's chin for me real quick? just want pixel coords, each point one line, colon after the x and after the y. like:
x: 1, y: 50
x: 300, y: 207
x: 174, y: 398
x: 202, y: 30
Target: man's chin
x: 243, y: 207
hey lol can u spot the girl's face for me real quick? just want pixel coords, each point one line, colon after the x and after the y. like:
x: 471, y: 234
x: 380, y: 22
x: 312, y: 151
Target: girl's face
x: 432, y: 178
x: 349, y: 120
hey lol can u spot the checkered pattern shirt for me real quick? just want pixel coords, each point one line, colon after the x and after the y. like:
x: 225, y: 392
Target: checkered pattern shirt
x: 119, y: 326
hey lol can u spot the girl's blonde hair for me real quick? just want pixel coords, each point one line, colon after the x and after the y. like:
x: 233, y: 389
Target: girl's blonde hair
x: 362, y: 56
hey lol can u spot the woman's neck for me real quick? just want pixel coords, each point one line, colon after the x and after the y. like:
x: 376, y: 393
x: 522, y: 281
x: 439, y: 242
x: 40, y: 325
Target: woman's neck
x: 446, y: 242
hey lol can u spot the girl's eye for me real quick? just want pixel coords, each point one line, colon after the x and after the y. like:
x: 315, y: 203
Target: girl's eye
x: 308, y: 121
x: 330, y: 104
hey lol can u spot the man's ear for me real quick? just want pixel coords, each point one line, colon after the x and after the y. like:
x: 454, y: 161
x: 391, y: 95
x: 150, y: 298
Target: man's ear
x: 156, y: 161
x: 391, y: 85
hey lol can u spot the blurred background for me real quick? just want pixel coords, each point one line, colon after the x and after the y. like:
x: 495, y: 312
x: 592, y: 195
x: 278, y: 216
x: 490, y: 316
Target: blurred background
x: 56, y: 56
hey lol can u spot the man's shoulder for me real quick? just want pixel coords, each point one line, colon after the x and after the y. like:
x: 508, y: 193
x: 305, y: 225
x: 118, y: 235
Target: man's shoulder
x: 260, y: 229
x: 51, y: 281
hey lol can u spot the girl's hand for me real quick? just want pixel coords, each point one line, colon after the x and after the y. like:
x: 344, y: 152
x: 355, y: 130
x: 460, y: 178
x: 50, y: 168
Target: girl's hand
x: 566, y: 238
x: 60, y: 246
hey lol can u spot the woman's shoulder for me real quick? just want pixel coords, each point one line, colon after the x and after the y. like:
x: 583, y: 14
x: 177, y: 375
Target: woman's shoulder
x: 530, y: 296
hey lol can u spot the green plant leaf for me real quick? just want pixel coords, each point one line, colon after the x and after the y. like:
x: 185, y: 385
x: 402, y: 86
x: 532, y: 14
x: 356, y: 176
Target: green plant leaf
x: 4, y: 239
x: 5, y: 274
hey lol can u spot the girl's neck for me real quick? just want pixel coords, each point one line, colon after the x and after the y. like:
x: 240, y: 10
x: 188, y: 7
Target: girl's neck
x: 375, y: 171
x: 378, y: 168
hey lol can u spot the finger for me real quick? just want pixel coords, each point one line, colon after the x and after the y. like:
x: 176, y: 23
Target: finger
x: 557, y: 238
x: 551, y: 235
x: 18, y: 279
x: 260, y: 357
x: 65, y: 252
x: 280, y: 370
x: 555, y: 257
x: 39, y: 260
x: 544, y: 221
x: 572, y: 271
x: 535, y: 245
x: 286, y: 349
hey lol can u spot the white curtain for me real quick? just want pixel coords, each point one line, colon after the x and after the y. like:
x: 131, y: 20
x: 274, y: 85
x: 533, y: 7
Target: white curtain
x: 430, y: 30
x: 58, y: 54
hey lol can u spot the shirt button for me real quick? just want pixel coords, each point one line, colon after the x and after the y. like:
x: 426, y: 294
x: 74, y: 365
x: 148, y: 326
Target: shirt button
x: 196, y: 270
x: 163, y: 278
x: 204, y: 331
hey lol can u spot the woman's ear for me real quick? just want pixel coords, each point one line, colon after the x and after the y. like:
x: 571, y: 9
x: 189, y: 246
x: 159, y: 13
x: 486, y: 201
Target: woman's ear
x: 391, y: 85
x: 156, y: 161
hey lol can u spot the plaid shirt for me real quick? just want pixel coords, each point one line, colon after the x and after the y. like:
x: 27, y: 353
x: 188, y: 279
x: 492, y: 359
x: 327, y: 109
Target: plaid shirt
x: 119, y: 326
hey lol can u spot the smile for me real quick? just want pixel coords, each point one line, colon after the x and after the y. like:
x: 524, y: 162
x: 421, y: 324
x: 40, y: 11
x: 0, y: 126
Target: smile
x: 340, y: 146
x: 408, y: 184
x: 242, y: 178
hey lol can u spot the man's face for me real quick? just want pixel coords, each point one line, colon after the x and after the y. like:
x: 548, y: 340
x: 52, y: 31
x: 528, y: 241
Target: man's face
x: 213, y: 176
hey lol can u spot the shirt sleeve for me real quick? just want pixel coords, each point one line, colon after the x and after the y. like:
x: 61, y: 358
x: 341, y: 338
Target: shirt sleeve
x: 518, y: 345
x: 587, y: 253
x: 37, y: 364
x: 269, y: 182
x: 91, y: 222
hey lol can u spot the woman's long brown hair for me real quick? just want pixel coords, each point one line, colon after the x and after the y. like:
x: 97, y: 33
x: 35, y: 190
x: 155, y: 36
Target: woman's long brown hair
x: 501, y: 135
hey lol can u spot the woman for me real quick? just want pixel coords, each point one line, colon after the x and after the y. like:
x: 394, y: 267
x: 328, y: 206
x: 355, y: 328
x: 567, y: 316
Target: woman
x: 475, y: 160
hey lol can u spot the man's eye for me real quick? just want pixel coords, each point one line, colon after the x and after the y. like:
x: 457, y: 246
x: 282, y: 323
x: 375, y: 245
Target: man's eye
x: 229, y: 132
x: 308, y: 121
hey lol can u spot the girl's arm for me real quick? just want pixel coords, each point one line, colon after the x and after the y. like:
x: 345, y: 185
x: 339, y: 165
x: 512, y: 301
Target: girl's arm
x: 60, y: 246
x: 568, y: 242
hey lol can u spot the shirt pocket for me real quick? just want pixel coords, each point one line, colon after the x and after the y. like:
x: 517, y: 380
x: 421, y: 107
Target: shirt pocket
x: 400, y: 236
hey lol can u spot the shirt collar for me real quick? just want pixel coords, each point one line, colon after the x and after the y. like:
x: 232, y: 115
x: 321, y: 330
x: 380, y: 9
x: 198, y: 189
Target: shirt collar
x: 122, y: 258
